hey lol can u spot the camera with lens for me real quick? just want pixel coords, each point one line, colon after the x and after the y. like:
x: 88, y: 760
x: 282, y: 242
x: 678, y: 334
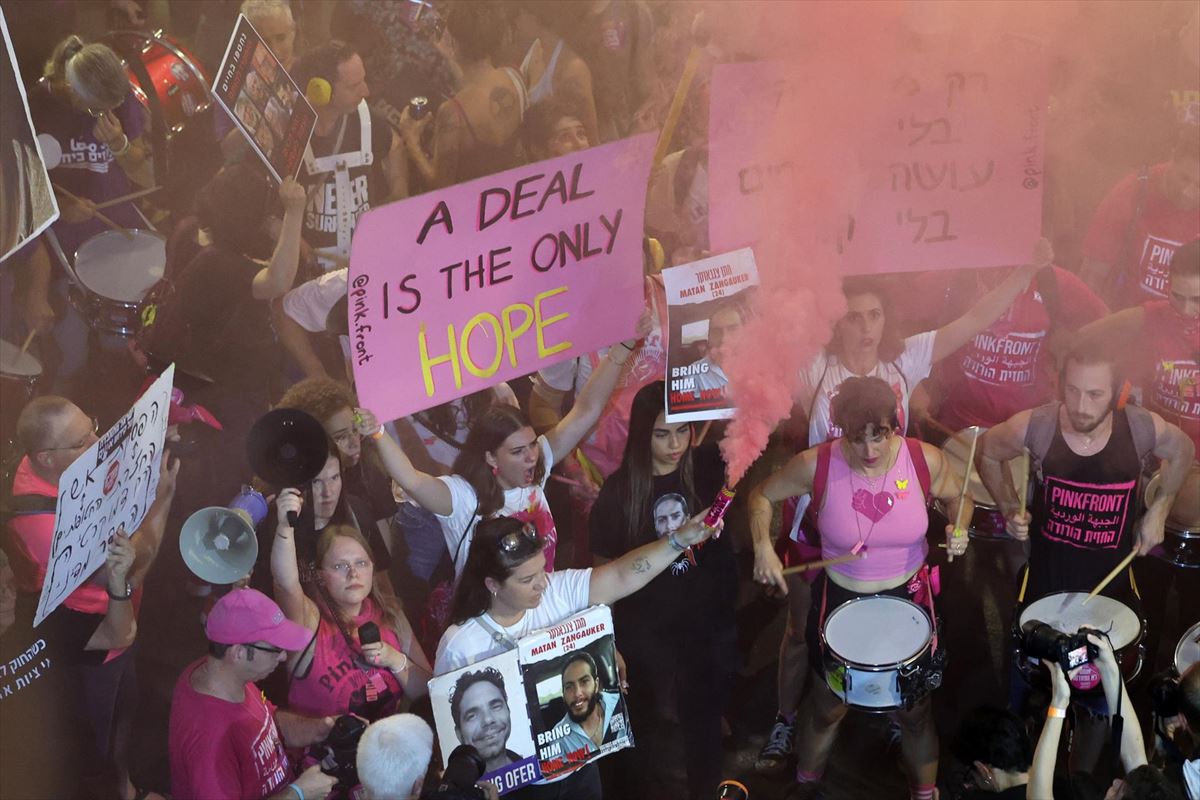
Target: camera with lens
x: 464, y: 768
x: 1069, y: 650
x: 338, y: 754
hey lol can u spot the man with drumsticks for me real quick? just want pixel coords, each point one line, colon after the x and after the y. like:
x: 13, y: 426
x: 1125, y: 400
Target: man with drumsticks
x: 1087, y: 452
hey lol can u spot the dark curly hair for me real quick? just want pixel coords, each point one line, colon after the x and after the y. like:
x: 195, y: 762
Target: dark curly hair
x: 466, y: 681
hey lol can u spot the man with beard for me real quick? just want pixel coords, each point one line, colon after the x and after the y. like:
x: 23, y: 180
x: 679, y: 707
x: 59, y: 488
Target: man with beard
x: 595, y: 717
x: 1087, y: 454
x: 479, y: 708
x: 707, y: 371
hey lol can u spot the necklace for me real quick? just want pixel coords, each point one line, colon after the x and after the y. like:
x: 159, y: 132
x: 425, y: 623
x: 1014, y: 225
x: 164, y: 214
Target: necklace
x: 876, y: 514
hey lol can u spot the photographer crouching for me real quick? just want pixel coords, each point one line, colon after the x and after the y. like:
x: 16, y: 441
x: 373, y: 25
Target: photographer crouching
x: 393, y: 758
x: 1141, y: 781
x: 1177, y: 725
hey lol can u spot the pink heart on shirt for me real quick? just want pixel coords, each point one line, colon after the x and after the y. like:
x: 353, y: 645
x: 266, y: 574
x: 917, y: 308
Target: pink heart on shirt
x: 872, y: 506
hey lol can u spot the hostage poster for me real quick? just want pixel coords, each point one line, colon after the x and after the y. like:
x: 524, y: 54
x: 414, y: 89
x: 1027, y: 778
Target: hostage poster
x: 263, y: 100
x: 707, y: 301
x: 573, y: 692
x: 483, y: 705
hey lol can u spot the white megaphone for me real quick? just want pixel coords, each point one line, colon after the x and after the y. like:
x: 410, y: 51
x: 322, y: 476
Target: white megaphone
x: 219, y: 544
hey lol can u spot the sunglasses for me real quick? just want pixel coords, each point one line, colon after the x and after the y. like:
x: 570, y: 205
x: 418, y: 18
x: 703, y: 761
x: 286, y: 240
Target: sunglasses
x: 511, y: 542
x: 81, y: 445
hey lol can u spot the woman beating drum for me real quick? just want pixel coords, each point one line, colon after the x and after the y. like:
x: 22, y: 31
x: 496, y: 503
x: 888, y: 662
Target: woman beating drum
x: 872, y: 635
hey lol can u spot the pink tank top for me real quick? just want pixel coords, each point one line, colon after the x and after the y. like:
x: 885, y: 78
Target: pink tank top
x: 336, y: 683
x: 887, y: 514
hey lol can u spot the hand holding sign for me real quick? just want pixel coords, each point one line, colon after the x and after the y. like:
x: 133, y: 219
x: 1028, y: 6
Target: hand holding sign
x: 291, y: 196
x: 119, y: 561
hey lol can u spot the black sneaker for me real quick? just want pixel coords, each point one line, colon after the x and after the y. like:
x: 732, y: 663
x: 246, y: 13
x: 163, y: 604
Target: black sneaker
x: 778, y: 749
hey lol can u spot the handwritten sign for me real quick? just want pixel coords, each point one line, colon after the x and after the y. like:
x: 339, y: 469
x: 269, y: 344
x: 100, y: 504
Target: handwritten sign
x: 265, y: 103
x: 570, y: 675
x: 457, y: 290
x: 484, y: 705
x: 112, y: 484
x: 707, y: 301
x: 950, y: 155
x: 28, y: 206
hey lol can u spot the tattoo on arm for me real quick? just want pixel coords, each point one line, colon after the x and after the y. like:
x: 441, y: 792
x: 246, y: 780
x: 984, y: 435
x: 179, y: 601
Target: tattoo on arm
x: 640, y: 565
x: 503, y: 103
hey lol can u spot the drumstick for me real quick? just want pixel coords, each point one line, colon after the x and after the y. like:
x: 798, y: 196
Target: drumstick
x: 127, y: 197
x: 681, y: 93
x: 28, y: 341
x: 825, y: 562
x: 955, y: 435
x: 962, y: 497
x: 1109, y: 577
x: 1023, y: 479
x: 118, y: 228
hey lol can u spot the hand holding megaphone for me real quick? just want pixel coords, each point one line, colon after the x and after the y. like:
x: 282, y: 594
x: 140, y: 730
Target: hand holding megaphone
x: 287, y: 506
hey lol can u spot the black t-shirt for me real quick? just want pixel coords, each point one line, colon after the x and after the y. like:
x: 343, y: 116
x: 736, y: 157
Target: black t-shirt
x: 368, y: 185
x: 306, y: 543
x: 698, y: 590
x: 373, y: 485
x: 230, y: 332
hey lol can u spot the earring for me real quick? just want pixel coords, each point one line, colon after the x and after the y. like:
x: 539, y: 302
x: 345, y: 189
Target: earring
x: 495, y: 470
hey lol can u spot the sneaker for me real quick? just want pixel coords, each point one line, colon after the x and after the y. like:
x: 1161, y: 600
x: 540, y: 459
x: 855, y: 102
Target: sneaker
x: 778, y: 748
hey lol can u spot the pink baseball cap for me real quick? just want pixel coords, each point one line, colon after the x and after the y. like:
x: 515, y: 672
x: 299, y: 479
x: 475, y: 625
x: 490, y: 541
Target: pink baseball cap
x: 247, y: 615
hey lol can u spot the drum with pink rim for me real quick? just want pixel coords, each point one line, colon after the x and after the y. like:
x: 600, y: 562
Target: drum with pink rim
x: 115, y: 273
x: 1181, y: 534
x: 20, y: 378
x: 1187, y: 652
x: 876, y: 648
x: 987, y: 522
x: 1067, y: 612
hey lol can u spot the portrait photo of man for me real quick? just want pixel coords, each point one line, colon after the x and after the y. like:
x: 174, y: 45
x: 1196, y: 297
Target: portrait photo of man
x: 479, y: 707
x: 594, y: 716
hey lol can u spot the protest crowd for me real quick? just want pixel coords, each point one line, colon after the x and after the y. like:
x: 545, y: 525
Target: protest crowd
x: 595, y: 399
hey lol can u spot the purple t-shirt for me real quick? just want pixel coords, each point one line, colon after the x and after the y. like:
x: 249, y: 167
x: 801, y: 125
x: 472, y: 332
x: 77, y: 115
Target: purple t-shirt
x: 88, y: 168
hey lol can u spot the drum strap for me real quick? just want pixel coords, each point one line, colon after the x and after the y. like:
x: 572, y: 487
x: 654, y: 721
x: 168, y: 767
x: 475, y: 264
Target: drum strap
x: 821, y: 475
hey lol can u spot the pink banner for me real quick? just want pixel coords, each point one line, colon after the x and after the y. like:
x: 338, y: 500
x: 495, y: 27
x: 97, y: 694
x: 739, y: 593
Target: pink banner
x: 949, y: 155
x: 457, y: 290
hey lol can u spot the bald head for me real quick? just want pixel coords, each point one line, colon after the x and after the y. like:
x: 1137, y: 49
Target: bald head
x: 40, y: 420
x: 53, y: 432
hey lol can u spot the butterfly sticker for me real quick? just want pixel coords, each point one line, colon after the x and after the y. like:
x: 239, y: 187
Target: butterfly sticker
x: 901, y: 483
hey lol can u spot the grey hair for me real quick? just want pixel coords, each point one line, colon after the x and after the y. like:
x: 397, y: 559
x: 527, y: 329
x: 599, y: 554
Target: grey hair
x: 256, y: 9
x: 93, y: 71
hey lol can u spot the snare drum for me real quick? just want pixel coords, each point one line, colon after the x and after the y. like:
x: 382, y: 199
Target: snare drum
x: 20, y: 374
x: 1181, y: 534
x: 115, y: 274
x: 987, y: 522
x: 874, y: 649
x: 1065, y: 612
x: 178, y: 79
x: 1187, y: 652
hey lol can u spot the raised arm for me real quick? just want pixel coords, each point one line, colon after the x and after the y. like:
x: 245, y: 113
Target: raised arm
x: 149, y: 535
x: 595, y: 393
x: 946, y: 483
x: 277, y: 278
x: 1003, y: 443
x: 119, y: 626
x: 1041, y: 773
x: 625, y: 575
x: 988, y: 308
x: 1177, y: 451
x: 795, y: 478
x: 1116, y: 332
x: 1116, y: 695
x: 430, y: 493
x: 285, y: 572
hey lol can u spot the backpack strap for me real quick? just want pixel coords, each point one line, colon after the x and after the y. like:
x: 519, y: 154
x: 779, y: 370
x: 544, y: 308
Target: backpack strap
x: 25, y: 505
x: 917, y: 454
x: 821, y: 476
x: 1141, y: 426
x: 1039, y: 435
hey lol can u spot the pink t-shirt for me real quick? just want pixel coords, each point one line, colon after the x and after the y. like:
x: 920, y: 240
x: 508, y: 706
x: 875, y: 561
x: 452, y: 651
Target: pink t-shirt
x: 225, y: 750
x: 336, y: 684
x: 1174, y: 390
x: 1006, y: 368
x: 886, y: 514
x: 1161, y: 229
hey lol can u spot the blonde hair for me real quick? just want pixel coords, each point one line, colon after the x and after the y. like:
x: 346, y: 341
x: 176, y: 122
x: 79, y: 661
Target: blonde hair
x: 93, y: 71
x: 256, y: 9
x: 386, y: 603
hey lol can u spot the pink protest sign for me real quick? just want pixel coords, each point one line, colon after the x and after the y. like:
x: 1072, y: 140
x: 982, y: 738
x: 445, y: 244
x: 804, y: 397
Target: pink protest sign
x: 456, y: 290
x: 949, y: 156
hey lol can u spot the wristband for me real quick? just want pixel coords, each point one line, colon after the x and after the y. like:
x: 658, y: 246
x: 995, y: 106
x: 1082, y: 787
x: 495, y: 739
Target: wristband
x: 297, y: 790
x: 398, y: 670
x: 674, y: 542
x: 377, y: 435
x: 1056, y: 713
x: 117, y: 153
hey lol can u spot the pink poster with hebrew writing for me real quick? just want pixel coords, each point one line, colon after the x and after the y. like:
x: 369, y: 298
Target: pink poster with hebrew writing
x: 948, y: 153
x: 461, y: 288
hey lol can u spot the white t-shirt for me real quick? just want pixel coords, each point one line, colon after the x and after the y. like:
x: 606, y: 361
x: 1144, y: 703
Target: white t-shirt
x: 566, y: 593
x: 826, y: 374
x: 309, y: 303
x: 438, y: 448
x: 569, y: 375
x: 526, y: 503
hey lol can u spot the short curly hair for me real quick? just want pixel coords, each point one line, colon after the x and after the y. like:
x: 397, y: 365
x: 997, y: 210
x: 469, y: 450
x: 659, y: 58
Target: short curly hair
x: 319, y: 397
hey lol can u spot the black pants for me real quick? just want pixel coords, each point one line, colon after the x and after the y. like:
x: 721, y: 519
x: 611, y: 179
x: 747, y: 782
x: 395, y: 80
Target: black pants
x: 584, y: 784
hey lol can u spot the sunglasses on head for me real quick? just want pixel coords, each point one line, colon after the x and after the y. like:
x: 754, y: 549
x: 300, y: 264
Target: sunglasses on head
x: 511, y: 542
